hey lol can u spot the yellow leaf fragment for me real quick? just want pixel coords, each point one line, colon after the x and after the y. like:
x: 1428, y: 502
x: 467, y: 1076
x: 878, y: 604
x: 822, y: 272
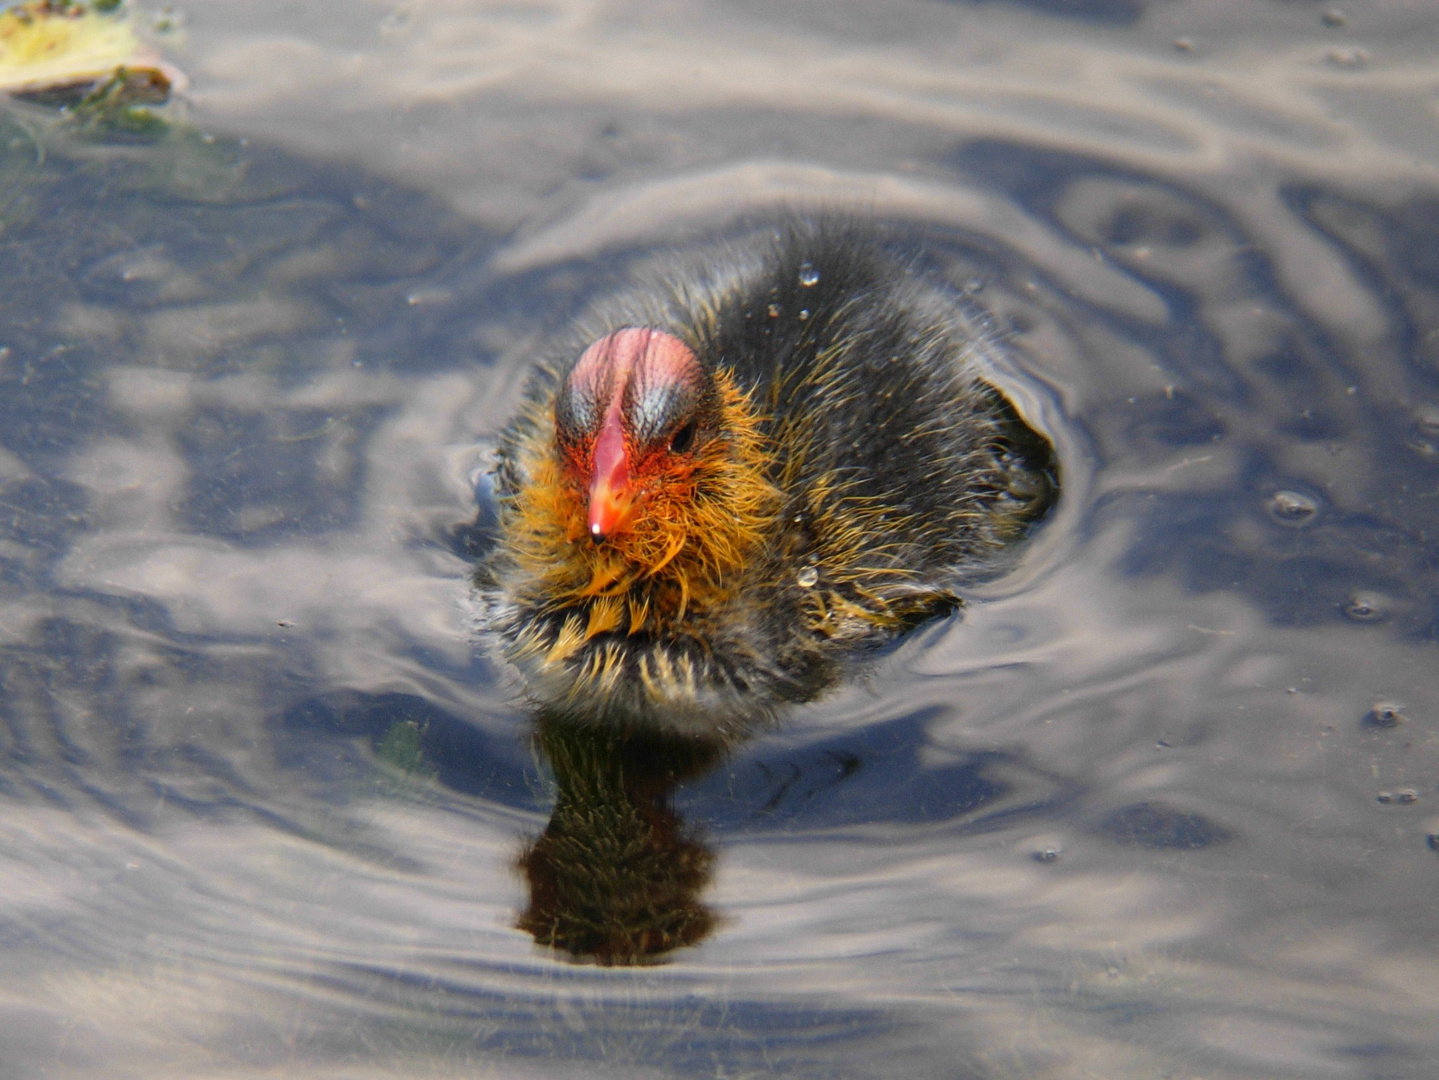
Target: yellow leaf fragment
x: 48, y: 44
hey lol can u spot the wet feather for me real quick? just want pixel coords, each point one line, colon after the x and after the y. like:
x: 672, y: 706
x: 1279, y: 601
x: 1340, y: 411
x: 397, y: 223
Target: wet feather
x: 852, y: 470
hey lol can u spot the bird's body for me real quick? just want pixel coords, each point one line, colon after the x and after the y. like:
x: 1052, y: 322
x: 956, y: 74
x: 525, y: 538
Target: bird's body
x: 744, y: 475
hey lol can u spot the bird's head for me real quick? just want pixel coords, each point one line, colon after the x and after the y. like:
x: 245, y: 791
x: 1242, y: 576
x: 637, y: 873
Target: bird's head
x: 632, y: 420
x: 653, y: 489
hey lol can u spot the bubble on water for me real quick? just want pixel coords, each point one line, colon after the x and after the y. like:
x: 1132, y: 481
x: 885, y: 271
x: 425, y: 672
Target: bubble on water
x: 807, y: 578
x: 1046, y: 855
x: 803, y: 314
x: 808, y: 275
x: 1403, y: 797
x: 1428, y: 416
x: 774, y: 311
x: 1384, y: 715
x: 1292, y: 507
x: 1366, y: 607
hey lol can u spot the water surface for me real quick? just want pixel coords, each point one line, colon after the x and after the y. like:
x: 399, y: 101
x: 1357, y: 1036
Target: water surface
x: 1160, y: 804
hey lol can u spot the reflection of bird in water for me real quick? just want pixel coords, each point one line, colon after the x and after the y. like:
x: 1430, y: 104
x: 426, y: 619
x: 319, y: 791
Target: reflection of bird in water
x: 615, y: 878
x: 745, y: 474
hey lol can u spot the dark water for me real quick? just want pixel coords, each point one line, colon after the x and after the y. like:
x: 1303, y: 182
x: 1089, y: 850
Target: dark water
x: 1161, y: 805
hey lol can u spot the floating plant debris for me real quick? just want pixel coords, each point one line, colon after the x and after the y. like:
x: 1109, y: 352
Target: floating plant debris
x: 87, y: 59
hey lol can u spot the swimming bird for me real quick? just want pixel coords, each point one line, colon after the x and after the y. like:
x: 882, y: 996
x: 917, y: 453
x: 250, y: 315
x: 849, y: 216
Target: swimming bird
x: 751, y: 470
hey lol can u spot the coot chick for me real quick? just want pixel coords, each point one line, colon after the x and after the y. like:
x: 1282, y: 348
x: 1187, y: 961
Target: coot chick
x: 741, y: 476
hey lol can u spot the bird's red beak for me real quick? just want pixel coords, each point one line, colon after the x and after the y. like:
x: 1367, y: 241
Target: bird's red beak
x: 603, y: 375
x: 610, y: 494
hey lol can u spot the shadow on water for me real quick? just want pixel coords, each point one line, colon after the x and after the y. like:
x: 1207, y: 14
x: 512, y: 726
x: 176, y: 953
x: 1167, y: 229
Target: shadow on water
x: 344, y: 734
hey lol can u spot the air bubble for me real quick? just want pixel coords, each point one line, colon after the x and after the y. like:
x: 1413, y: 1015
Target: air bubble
x: 808, y: 275
x: 1403, y: 797
x: 1384, y: 716
x: 807, y: 578
x: 1046, y: 855
x: 1292, y: 507
x: 1365, y: 607
x: 803, y: 314
x: 774, y: 311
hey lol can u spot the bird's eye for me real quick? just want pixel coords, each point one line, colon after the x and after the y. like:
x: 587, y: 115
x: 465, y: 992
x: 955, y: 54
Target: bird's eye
x: 683, y: 439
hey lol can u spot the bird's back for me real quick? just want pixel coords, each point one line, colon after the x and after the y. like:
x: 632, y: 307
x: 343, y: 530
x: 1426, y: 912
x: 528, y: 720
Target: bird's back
x: 869, y: 378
